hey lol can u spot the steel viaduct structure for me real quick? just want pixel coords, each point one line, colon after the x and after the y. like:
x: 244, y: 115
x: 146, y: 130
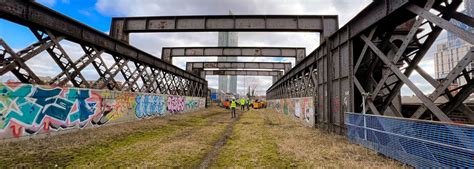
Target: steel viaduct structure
x: 168, y: 53
x: 274, y: 69
x: 324, y: 24
x: 50, y: 27
x: 368, y: 60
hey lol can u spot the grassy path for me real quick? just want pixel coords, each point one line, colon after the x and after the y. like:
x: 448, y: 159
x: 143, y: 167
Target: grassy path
x: 207, y: 138
x: 263, y: 138
x: 170, y: 141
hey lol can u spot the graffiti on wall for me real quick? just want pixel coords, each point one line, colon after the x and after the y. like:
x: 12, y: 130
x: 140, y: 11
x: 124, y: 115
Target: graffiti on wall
x: 150, y: 105
x: 299, y: 108
x: 27, y: 109
x: 176, y: 104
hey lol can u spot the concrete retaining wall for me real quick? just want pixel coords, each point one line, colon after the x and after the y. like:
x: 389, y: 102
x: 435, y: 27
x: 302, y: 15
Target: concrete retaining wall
x: 27, y: 110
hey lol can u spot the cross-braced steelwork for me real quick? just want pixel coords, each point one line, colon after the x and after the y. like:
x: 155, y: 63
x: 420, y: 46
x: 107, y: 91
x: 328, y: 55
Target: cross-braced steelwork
x: 148, y: 74
x: 168, y: 53
x: 375, y: 53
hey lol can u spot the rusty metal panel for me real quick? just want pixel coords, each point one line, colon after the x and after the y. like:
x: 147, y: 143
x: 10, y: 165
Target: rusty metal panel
x: 272, y: 52
x: 45, y: 18
x: 177, y: 51
x: 335, y: 102
x: 308, y: 23
x: 250, y: 23
x: 143, y: 58
x: 126, y: 50
x: 229, y: 65
x: 202, y: 65
x: 249, y: 51
x: 287, y: 52
x: 326, y: 24
x: 190, y: 23
x: 16, y: 8
x: 335, y: 62
x: 334, y: 41
x: 343, y: 34
x: 220, y: 23
x: 330, y: 26
x: 257, y: 65
x: 161, y: 24
x: 344, y: 55
x: 212, y: 52
x: 136, y: 24
x: 325, y: 69
x: 90, y: 36
x: 191, y: 52
x: 243, y: 72
x: 282, y: 23
x: 268, y: 66
x: 232, y: 51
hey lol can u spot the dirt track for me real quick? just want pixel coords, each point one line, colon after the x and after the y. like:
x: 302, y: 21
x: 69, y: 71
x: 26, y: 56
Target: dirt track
x: 208, y: 138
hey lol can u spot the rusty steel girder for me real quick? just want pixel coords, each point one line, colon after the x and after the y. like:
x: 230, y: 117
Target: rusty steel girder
x: 275, y: 74
x: 121, y: 27
x: 197, y: 67
x: 148, y: 74
x: 373, y: 56
x: 168, y: 53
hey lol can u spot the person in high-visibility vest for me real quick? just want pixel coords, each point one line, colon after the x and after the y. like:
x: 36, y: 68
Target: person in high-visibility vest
x: 233, y: 105
x: 242, y: 104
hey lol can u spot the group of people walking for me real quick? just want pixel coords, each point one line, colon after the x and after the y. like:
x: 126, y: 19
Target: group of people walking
x: 243, y: 104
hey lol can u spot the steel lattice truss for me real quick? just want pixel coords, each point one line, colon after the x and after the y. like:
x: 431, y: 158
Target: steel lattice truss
x: 374, y: 56
x: 148, y: 74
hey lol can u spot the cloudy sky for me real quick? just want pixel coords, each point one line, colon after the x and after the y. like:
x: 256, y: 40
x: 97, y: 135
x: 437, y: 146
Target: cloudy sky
x: 97, y: 14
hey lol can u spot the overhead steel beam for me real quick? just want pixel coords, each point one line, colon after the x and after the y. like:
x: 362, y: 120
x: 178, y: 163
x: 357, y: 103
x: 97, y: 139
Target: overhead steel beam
x: 191, y: 66
x: 50, y: 27
x: 242, y: 72
x: 168, y: 53
x: 275, y: 74
x: 325, y: 24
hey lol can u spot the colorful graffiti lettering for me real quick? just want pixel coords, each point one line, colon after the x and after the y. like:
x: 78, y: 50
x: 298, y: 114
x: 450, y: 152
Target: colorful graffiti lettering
x: 297, y: 108
x: 176, y: 104
x: 191, y: 103
x: 27, y: 109
x: 301, y: 108
x: 150, y: 105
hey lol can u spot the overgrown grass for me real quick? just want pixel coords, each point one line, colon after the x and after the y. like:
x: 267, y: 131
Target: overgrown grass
x: 251, y: 145
x: 261, y: 138
x: 265, y: 138
x: 170, y: 141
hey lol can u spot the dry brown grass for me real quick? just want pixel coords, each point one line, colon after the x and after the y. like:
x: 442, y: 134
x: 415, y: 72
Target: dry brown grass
x: 261, y: 138
x: 314, y: 148
x: 169, y: 141
x: 270, y: 139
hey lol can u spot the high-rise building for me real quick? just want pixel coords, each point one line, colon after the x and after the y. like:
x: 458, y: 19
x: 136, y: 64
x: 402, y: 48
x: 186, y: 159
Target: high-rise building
x: 454, y: 49
x: 228, y: 84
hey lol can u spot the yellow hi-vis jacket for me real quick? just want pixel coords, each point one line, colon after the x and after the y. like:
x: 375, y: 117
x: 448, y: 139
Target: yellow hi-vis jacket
x: 233, y: 104
x: 242, y: 101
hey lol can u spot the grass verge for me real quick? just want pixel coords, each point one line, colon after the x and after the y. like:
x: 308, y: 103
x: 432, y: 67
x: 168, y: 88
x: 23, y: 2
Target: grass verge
x: 265, y: 138
x: 179, y: 140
